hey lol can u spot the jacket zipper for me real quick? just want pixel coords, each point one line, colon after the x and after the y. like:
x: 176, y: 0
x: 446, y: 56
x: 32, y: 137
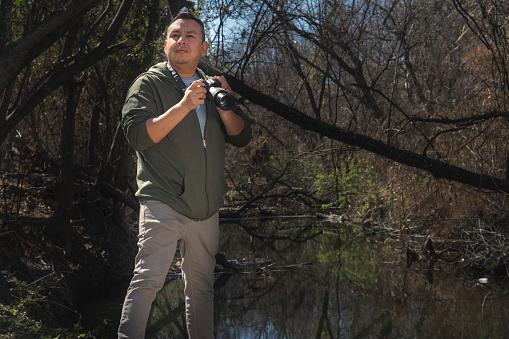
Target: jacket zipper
x: 205, y: 154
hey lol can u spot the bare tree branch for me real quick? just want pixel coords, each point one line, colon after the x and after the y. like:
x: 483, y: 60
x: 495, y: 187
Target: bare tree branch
x: 22, y: 51
x: 435, y: 167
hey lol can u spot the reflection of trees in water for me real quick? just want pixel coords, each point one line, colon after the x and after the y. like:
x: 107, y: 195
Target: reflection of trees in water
x: 324, y: 324
x: 275, y: 305
x: 278, y: 236
x: 284, y: 301
x: 294, y: 232
x: 354, y: 288
x: 168, y: 312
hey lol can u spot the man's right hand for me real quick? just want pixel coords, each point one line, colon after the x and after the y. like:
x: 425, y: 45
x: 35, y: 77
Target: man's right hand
x: 161, y: 125
x: 194, y: 95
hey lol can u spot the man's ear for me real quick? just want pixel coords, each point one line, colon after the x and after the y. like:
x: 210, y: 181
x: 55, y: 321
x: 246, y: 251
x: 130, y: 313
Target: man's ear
x: 205, y: 48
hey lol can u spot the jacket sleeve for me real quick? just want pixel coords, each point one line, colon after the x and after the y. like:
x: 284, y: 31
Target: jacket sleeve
x: 138, y: 108
x: 244, y: 137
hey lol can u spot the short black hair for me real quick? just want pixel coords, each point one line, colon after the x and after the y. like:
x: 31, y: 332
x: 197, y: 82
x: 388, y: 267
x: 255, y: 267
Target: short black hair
x: 189, y: 16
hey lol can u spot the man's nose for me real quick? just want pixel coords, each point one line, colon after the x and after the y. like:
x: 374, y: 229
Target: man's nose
x: 181, y: 40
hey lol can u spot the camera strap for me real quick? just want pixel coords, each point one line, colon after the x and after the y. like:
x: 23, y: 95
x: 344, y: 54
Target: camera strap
x: 176, y: 77
x: 201, y: 110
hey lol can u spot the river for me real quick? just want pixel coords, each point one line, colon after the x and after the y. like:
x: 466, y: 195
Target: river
x: 303, y: 279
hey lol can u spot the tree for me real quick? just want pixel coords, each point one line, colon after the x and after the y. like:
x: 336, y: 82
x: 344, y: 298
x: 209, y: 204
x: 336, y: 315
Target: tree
x: 396, y: 79
x: 58, y: 63
x: 42, y: 30
x: 403, y: 80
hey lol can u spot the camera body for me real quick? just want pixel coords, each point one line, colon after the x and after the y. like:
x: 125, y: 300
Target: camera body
x: 222, y: 98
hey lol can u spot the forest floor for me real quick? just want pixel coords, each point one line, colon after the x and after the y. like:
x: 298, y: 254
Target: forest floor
x: 48, y: 276
x: 43, y: 278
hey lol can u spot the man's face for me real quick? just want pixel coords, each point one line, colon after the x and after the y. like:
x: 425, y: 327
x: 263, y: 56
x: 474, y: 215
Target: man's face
x: 184, y: 43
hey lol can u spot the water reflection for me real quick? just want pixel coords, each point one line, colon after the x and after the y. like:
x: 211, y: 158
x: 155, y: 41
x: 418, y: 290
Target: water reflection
x: 354, y: 287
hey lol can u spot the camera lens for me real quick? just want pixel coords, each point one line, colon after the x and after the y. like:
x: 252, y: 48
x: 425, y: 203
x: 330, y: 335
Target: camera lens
x: 224, y: 101
x: 222, y: 98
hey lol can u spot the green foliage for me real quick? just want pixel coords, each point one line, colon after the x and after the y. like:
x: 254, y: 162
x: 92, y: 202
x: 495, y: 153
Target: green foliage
x: 17, y: 322
x: 352, y: 187
x: 277, y: 162
x: 351, y: 256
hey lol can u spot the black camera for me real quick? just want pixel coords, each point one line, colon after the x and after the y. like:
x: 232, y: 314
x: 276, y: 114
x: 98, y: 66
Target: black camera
x: 222, y: 98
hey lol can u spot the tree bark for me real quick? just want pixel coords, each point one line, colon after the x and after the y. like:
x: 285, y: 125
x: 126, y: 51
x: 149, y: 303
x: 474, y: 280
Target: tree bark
x: 62, y: 215
x: 93, y: 136
x: 5, y: 296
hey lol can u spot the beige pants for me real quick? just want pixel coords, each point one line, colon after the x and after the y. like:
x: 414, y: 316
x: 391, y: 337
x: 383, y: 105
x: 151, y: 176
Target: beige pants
x: 160, y: 229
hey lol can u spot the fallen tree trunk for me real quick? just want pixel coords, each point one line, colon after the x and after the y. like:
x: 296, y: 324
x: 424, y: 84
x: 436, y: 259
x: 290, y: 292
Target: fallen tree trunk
x: 439, y: 169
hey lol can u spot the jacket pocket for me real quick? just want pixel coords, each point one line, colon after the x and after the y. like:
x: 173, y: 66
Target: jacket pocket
x: 216, y: 188
x: 194, y: 197
x: 203, y: 194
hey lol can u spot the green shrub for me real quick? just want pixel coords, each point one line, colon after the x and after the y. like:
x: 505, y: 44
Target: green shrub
x: 352, y: 187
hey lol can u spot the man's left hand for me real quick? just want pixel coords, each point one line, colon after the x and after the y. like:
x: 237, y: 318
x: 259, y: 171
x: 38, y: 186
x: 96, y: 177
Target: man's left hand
x: 224, y: 83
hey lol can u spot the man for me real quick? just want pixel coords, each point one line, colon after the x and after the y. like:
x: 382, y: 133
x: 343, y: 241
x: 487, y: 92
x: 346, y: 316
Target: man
x: 179, y: 137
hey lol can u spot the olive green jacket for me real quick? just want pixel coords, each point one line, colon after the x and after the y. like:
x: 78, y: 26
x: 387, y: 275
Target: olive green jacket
x: 182, y: 170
